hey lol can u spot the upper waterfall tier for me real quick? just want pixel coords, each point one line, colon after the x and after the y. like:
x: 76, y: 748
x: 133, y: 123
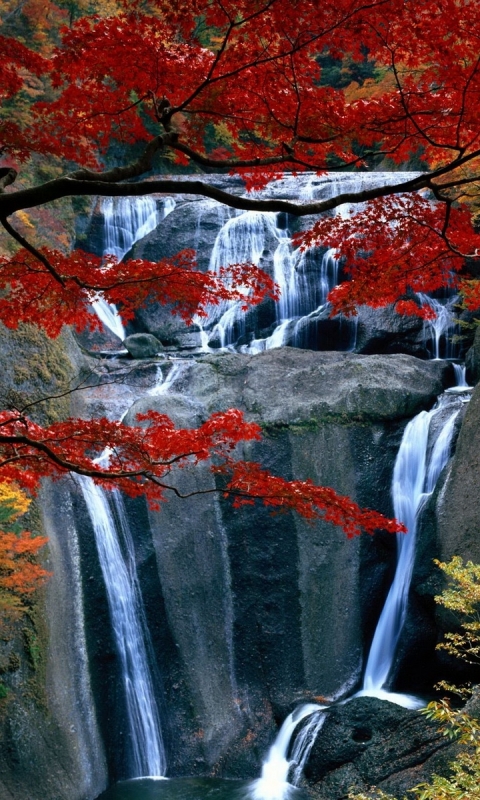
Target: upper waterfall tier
x: 154, y: 228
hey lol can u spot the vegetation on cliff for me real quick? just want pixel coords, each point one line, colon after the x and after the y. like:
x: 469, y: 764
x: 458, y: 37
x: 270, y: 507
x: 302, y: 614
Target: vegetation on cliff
x: 462, y: 598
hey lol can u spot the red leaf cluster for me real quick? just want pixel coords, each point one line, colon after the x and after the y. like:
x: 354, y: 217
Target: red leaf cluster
x: 141, y: 460
x: 51, y: 298
x: 381, y: 245
x: 250, y: 482
x: 247, y: 76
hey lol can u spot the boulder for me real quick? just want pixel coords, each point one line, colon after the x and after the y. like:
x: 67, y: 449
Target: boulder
x: 382, y: 330
x: 289, y: 386
x: 143, y: 345
x: 370, y: 742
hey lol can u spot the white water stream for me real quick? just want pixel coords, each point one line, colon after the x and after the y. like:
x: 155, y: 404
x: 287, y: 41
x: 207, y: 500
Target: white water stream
x: 126, y: 221
x: 246, y: 237
x: 421, y: 458
x: 304, y: 278
x: 273, y: 783
x: 443, y: 325
x: 127, y: 616
x: 415, y: 475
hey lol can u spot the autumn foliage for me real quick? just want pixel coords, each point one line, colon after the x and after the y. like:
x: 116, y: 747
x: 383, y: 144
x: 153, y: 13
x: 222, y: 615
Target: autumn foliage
x: 62, y: 294
x: 130, y: 88
x: 20, y: 575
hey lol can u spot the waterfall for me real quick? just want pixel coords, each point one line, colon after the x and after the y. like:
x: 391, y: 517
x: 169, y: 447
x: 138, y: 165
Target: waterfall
x: 460, y: 371
x: 129, y: 219
x: 417, y: 468
x: 129, y: 627
x: 304, y: 743
x: 272, y: 784
x: 126, y: 220
x: 241, y: 239
x: 442, y: 325
x: 304, y: 285
x: 415, y: 475
x: 305, y: 277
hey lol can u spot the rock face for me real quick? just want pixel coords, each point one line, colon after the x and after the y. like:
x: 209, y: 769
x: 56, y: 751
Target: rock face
x: 263, y: 612
x: 49, y: 738
x: 472, y: 359
x: 249, y: 613
x: 458, y: 507
x: 368, y: 742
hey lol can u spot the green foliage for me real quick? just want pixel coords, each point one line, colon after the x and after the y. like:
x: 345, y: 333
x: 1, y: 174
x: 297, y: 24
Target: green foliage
x: 32, y: 647
x: 462, y: 597
x: 340, y: 72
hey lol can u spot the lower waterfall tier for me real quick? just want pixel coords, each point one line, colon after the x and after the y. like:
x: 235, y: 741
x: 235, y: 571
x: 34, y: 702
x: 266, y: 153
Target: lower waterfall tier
x: 249, y: 614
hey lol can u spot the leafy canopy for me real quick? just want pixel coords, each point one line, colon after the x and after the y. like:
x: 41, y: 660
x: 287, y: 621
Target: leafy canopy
x: 247, y: 86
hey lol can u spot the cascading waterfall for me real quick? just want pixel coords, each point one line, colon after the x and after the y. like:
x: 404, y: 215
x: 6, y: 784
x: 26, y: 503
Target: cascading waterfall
x: 461, y: 377
x: 126, y: 220
x: 443, y: 325
x: 245, y: 237
x: 273, y: 784
x: 417, y: 468
x: 129, y: 627
x: 304, y: 742
x: 414, y: 479
x: 241, y: 239
x: 305, y: 278
x: 117, y: 561
x: 129, y: 219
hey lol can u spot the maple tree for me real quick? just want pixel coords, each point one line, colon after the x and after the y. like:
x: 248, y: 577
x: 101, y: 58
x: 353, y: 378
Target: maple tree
x: 19, y: 574
x: 238, y: 86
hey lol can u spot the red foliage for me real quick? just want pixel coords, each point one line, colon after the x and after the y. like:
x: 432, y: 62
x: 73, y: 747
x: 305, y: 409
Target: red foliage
x: 140, y: 461
x: 381, y: 246
x: 249, y: 482
x: 61, y: 295
x: 175, y: 73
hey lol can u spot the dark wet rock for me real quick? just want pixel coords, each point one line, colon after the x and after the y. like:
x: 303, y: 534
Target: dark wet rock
x: 458, y: 509
x: 142, y: 345
x: 472, y: 360
x: 320, y: 331
x: 382, y: 330
x: 298, y: 595
x: 370, y: 742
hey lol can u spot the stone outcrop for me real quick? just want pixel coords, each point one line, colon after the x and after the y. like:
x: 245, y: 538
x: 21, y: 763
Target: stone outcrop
x: 266, y: 612
x: 368, y: 742
x: 249, y: 613
x: 142, y: 345
x: 49, y: 740
x: 472, y: 360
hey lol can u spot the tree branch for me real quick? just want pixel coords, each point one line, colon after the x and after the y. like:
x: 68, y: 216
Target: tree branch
x: 31, y: 249
x: 75, y: 187
x: 7, y: 176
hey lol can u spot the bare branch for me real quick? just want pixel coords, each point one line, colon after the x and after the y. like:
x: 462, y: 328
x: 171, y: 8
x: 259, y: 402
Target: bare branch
x: 31, y: 249
x: 7, y: 176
